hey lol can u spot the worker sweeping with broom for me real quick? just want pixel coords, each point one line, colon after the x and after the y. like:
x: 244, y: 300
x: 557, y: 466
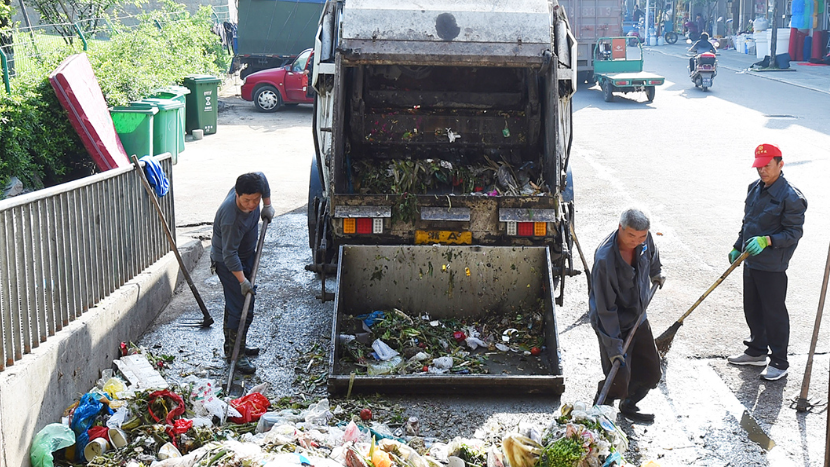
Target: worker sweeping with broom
x: 233, y: 254
x: 625, y: 264
x: 771, y: 228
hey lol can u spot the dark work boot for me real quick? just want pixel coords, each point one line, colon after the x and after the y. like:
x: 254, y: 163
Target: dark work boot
x: 628, y: 407
x: 242, y: 363
x: 228, y: 348
x: 632, y: 412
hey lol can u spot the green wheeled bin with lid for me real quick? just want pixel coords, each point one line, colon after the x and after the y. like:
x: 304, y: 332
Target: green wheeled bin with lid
x: 178, y: 94
x: 167, y: 126
x: 202, y: 109
x: 134, y: 125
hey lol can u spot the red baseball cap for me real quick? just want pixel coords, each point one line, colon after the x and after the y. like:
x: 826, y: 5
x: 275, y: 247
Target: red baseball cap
x: 764, y: 153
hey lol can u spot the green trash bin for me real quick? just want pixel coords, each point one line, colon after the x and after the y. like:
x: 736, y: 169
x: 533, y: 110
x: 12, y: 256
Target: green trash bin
x: 179, y: 94
x: 167, y: 126
x: 202, y: 110
x: 134, y: 125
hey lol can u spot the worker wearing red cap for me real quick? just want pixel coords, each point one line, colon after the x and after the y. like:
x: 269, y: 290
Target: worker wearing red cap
x: 772, y: 225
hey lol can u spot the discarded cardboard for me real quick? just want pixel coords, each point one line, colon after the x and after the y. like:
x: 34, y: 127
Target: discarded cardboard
x: 140, y: 373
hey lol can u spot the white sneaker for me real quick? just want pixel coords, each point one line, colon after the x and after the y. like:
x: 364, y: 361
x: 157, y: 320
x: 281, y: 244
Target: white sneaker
x: 744, y: 359
x: 771, y: 373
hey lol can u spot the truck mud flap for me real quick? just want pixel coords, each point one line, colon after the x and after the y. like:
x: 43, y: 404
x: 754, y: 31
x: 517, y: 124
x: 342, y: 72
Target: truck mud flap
x: 448, y: 282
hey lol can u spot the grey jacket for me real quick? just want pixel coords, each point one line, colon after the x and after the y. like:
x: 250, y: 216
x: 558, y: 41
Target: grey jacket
x: 235, y: 233
x: 777, y: 211
x: 620, y: 292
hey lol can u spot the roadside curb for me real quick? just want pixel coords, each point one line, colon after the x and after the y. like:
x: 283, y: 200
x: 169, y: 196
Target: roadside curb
x: 34, y: 391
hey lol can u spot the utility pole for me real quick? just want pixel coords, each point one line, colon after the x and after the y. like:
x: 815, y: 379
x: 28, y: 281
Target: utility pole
x: 773, y: 36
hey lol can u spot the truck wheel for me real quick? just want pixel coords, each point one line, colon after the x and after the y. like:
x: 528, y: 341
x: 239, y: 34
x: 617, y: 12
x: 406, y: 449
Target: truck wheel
x: 650, y: 93
x: 267, y: 99
x: 315, y: 194
x: 608, y: 91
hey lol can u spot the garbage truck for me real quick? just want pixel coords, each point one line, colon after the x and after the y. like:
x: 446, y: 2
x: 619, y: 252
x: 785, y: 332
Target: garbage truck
x: 440, y: 184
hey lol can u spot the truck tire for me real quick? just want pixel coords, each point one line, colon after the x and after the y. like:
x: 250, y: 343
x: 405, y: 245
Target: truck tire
x: 650, y: 93
x: 315, y: 193
x: 267, y: 99
x: 608, y: 91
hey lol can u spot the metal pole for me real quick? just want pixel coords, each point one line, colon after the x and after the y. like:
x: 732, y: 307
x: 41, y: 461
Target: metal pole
x: 80, y: 34
x: 648, y: 3
x: 5, y: 65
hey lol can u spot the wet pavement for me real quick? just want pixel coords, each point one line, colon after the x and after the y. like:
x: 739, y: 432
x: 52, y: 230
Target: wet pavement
x: 700, y: 403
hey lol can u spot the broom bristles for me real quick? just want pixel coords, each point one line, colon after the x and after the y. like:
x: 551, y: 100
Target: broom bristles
x: 664, y: 341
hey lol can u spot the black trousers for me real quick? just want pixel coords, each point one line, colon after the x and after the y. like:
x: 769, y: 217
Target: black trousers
x: 641, y: 372
x: 766, y: 315
x: 234, y: 301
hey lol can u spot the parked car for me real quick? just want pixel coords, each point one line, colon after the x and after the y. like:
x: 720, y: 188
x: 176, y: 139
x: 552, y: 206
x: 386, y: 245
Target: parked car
x: 271, y: 89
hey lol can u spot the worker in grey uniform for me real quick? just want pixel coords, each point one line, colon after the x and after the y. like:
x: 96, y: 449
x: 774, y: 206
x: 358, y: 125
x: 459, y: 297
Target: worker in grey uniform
x: 626, y: 263
x: 772, y: 226
x: 232, y: 254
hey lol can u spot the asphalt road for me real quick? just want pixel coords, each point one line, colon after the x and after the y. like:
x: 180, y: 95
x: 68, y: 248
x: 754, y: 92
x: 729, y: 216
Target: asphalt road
x: 686, y: 157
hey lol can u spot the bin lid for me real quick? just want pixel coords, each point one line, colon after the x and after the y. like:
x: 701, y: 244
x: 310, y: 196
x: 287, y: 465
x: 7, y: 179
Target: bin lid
x: 146, y: 108
x: 172, y: 89
x: 206, y: 79
x: 164, y: 104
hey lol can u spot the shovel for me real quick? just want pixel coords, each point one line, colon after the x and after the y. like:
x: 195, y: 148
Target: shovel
x: 208, y: 320
x: 246, y: 305
x: 609, y: 380
x: 664, y: 340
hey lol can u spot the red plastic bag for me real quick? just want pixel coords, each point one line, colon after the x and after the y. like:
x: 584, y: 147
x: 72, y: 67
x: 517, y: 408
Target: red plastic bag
x: 98, y: 432
x: 251, y: 407
x: 181, y: 426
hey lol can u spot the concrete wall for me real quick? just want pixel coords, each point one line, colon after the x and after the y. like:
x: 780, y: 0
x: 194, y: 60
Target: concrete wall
x: 35, y: 391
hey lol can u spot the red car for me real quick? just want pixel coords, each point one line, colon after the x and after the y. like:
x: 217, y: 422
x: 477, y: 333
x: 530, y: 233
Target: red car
x: 271, y: 89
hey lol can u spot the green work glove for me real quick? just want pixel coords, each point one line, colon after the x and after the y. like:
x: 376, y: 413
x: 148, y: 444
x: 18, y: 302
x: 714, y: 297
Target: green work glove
x: 756, y: 245
x: 733, y: 255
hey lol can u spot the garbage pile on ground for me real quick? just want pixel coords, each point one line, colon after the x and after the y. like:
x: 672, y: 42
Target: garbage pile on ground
x: 121, y: 423
x: 393, y: 342
x: 422, y: 176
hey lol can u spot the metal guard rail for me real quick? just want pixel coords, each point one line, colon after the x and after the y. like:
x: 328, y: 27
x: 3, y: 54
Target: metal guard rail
x: 63, y: 249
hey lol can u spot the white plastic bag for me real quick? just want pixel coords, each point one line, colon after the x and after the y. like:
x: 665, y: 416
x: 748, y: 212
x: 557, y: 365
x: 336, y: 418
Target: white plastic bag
x: 383, y: 350
x: 384, y: 368
x: 442, y: 363
x: 118, y: 418
x: 475, y: 342
x: 319, y: 413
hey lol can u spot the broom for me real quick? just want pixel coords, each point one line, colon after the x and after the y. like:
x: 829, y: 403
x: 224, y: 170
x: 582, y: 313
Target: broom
x: 664, y: 340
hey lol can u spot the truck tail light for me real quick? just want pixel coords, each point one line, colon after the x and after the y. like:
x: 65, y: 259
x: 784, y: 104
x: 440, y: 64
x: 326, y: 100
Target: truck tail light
x: 527, y: 229
x: 362, y: 225
x: 654, y: 81
x: 621, y: 82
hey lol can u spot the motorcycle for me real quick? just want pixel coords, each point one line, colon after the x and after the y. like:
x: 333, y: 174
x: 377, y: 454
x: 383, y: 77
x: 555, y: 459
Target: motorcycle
x: 703, y: 70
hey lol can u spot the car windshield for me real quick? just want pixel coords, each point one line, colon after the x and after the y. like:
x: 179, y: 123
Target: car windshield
x: 300, y: 62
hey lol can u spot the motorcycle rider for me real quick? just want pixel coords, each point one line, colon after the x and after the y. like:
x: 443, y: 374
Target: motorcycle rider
x: 701, y: 46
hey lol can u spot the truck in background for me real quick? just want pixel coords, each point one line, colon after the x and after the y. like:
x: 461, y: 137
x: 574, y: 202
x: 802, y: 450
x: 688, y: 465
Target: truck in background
x: 591, y: 20
x: 272, y: 33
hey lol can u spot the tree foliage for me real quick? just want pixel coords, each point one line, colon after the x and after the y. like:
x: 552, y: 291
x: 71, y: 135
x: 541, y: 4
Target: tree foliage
x: 37, y: 142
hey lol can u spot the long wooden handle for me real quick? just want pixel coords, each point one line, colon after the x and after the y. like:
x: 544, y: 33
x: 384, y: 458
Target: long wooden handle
x: 732, y: 267
x: 801, y: 404
x: 609, y: 380
x: 246, y: 306
x: 169, y: 235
